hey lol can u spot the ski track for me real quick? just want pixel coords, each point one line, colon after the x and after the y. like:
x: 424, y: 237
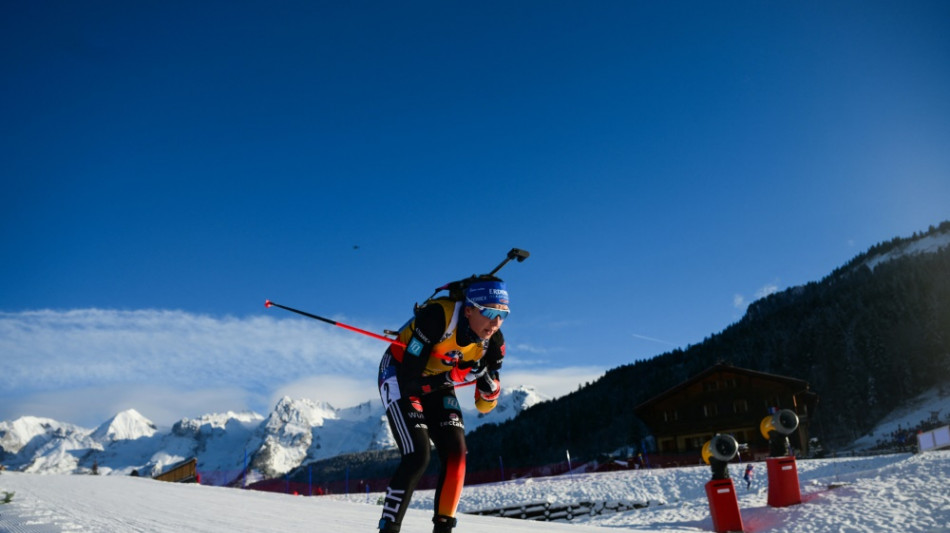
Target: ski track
x: 907, y: 493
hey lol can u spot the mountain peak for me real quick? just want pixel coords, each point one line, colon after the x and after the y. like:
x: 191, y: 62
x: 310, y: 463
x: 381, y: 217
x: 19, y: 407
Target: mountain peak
x: 17, y: 434
x: 296, y: 431
x: 126, y: 425
x: 301, y: 412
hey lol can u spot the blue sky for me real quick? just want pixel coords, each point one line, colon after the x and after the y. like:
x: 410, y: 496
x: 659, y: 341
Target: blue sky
x: 168, y: 166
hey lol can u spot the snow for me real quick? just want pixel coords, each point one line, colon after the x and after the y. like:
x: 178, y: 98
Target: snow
x: 929, y: 406
x: 127, y: 425
x: 928, y: 244
x: 296, y: 432
x: 909, y: 493
x: 18, y: 435
x: 901, y: 492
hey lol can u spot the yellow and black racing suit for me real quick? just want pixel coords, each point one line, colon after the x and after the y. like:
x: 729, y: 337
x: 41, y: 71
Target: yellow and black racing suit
x: 417, y: 388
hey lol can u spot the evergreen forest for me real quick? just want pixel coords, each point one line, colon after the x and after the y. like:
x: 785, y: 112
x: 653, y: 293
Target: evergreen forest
x: 865, y: 339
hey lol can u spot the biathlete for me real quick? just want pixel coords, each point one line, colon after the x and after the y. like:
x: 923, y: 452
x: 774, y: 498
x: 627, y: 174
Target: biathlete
x: 448, y: 343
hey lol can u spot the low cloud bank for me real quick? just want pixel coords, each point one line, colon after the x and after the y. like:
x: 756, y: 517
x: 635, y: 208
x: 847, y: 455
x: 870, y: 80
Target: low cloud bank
x: 83, y: 366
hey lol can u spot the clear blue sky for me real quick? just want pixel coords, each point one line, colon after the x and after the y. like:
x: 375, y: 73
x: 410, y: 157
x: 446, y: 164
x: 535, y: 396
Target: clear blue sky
x: 665, y: 163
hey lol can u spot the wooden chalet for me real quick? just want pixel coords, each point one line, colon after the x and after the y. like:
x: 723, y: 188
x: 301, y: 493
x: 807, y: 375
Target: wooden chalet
x: 183, y: 472
x: 728, y: 400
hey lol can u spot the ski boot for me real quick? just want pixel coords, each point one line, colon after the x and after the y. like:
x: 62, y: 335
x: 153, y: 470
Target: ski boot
x: 443, y: 524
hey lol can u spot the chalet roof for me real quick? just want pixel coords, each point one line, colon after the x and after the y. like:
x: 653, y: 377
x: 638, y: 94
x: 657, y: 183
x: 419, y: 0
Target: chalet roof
x: 718, y: 368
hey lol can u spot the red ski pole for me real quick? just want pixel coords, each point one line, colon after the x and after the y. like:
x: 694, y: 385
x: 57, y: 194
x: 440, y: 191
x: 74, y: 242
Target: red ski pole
x: 268, y: 303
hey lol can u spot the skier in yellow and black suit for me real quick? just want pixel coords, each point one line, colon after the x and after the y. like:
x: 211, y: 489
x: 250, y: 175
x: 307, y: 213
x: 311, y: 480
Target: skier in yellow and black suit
x: 447, y: 343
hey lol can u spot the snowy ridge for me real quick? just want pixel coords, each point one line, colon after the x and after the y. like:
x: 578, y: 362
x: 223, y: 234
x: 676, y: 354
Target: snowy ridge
x: 288, y: 434
x: 932, y: 404
x: 923, y: 245
x: 29, y: 432
x: 43, y: 445
x: 296, y: 432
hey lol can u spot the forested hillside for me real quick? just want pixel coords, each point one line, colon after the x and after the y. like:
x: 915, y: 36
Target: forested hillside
x: 867, y: 338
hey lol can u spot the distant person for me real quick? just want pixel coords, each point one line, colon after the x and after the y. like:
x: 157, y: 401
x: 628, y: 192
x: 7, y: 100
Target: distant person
x: 447, y: 343
x: 748, y: 477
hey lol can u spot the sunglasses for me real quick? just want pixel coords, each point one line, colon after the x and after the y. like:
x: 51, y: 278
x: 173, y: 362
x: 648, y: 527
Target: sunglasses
x: 489, y: 312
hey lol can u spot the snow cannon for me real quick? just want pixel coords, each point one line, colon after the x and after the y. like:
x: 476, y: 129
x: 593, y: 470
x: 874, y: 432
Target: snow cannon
x: 782, y: 470
x: 717, y: 452
x: 784, y: 421
x: 720, y: 491
x: 776, y: 428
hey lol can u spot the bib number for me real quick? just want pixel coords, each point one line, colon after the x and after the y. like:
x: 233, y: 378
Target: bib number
x: 389, y: 391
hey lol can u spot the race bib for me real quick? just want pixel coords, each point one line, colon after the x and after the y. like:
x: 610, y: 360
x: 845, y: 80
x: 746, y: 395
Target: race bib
x: 389, y: 391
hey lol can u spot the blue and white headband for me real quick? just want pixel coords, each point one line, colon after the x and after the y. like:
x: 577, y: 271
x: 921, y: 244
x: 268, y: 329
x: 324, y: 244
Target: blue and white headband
x: 487, y: 292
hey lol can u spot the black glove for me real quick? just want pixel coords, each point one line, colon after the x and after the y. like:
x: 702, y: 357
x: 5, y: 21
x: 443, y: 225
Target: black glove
x: 478, y: 368
x: 488, y: 388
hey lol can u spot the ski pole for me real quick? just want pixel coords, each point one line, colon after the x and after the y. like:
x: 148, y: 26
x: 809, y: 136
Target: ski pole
x: 268, y: 303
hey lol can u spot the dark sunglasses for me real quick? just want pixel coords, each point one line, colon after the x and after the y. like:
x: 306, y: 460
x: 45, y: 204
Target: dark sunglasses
x: 489, y: 312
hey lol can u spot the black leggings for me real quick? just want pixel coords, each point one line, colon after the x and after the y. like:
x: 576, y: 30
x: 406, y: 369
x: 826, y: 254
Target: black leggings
x: 440, y: 419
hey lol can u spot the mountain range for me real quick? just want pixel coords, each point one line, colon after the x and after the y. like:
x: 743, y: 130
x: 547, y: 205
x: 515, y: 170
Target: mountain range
x: 296, y: 432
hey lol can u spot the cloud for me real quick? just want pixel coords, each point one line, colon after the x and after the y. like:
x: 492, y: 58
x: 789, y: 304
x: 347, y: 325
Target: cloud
x: 766, y: 290
x: 84, y: 366
x: 49, y: 349
x: 651, y: 339
x: 339, y: 390
x: 163, y: 404
x: 552, y: 382
x: 738, y: 301
x: 171, y: 357
x: 529, y: 348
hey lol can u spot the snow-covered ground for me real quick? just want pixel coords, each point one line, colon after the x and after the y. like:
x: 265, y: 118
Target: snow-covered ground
x: 904, y: 492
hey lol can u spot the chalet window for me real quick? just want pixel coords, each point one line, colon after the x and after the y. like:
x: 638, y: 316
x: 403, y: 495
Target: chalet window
x: 710, y: 410
x: 740, y: 406
x: 671, y: 415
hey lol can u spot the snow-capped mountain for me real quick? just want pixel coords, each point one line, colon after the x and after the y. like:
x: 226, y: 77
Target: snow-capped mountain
x: 34, y: 444
x: 288, y: 434
x: 127, y: 425
x: 296, y: 432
